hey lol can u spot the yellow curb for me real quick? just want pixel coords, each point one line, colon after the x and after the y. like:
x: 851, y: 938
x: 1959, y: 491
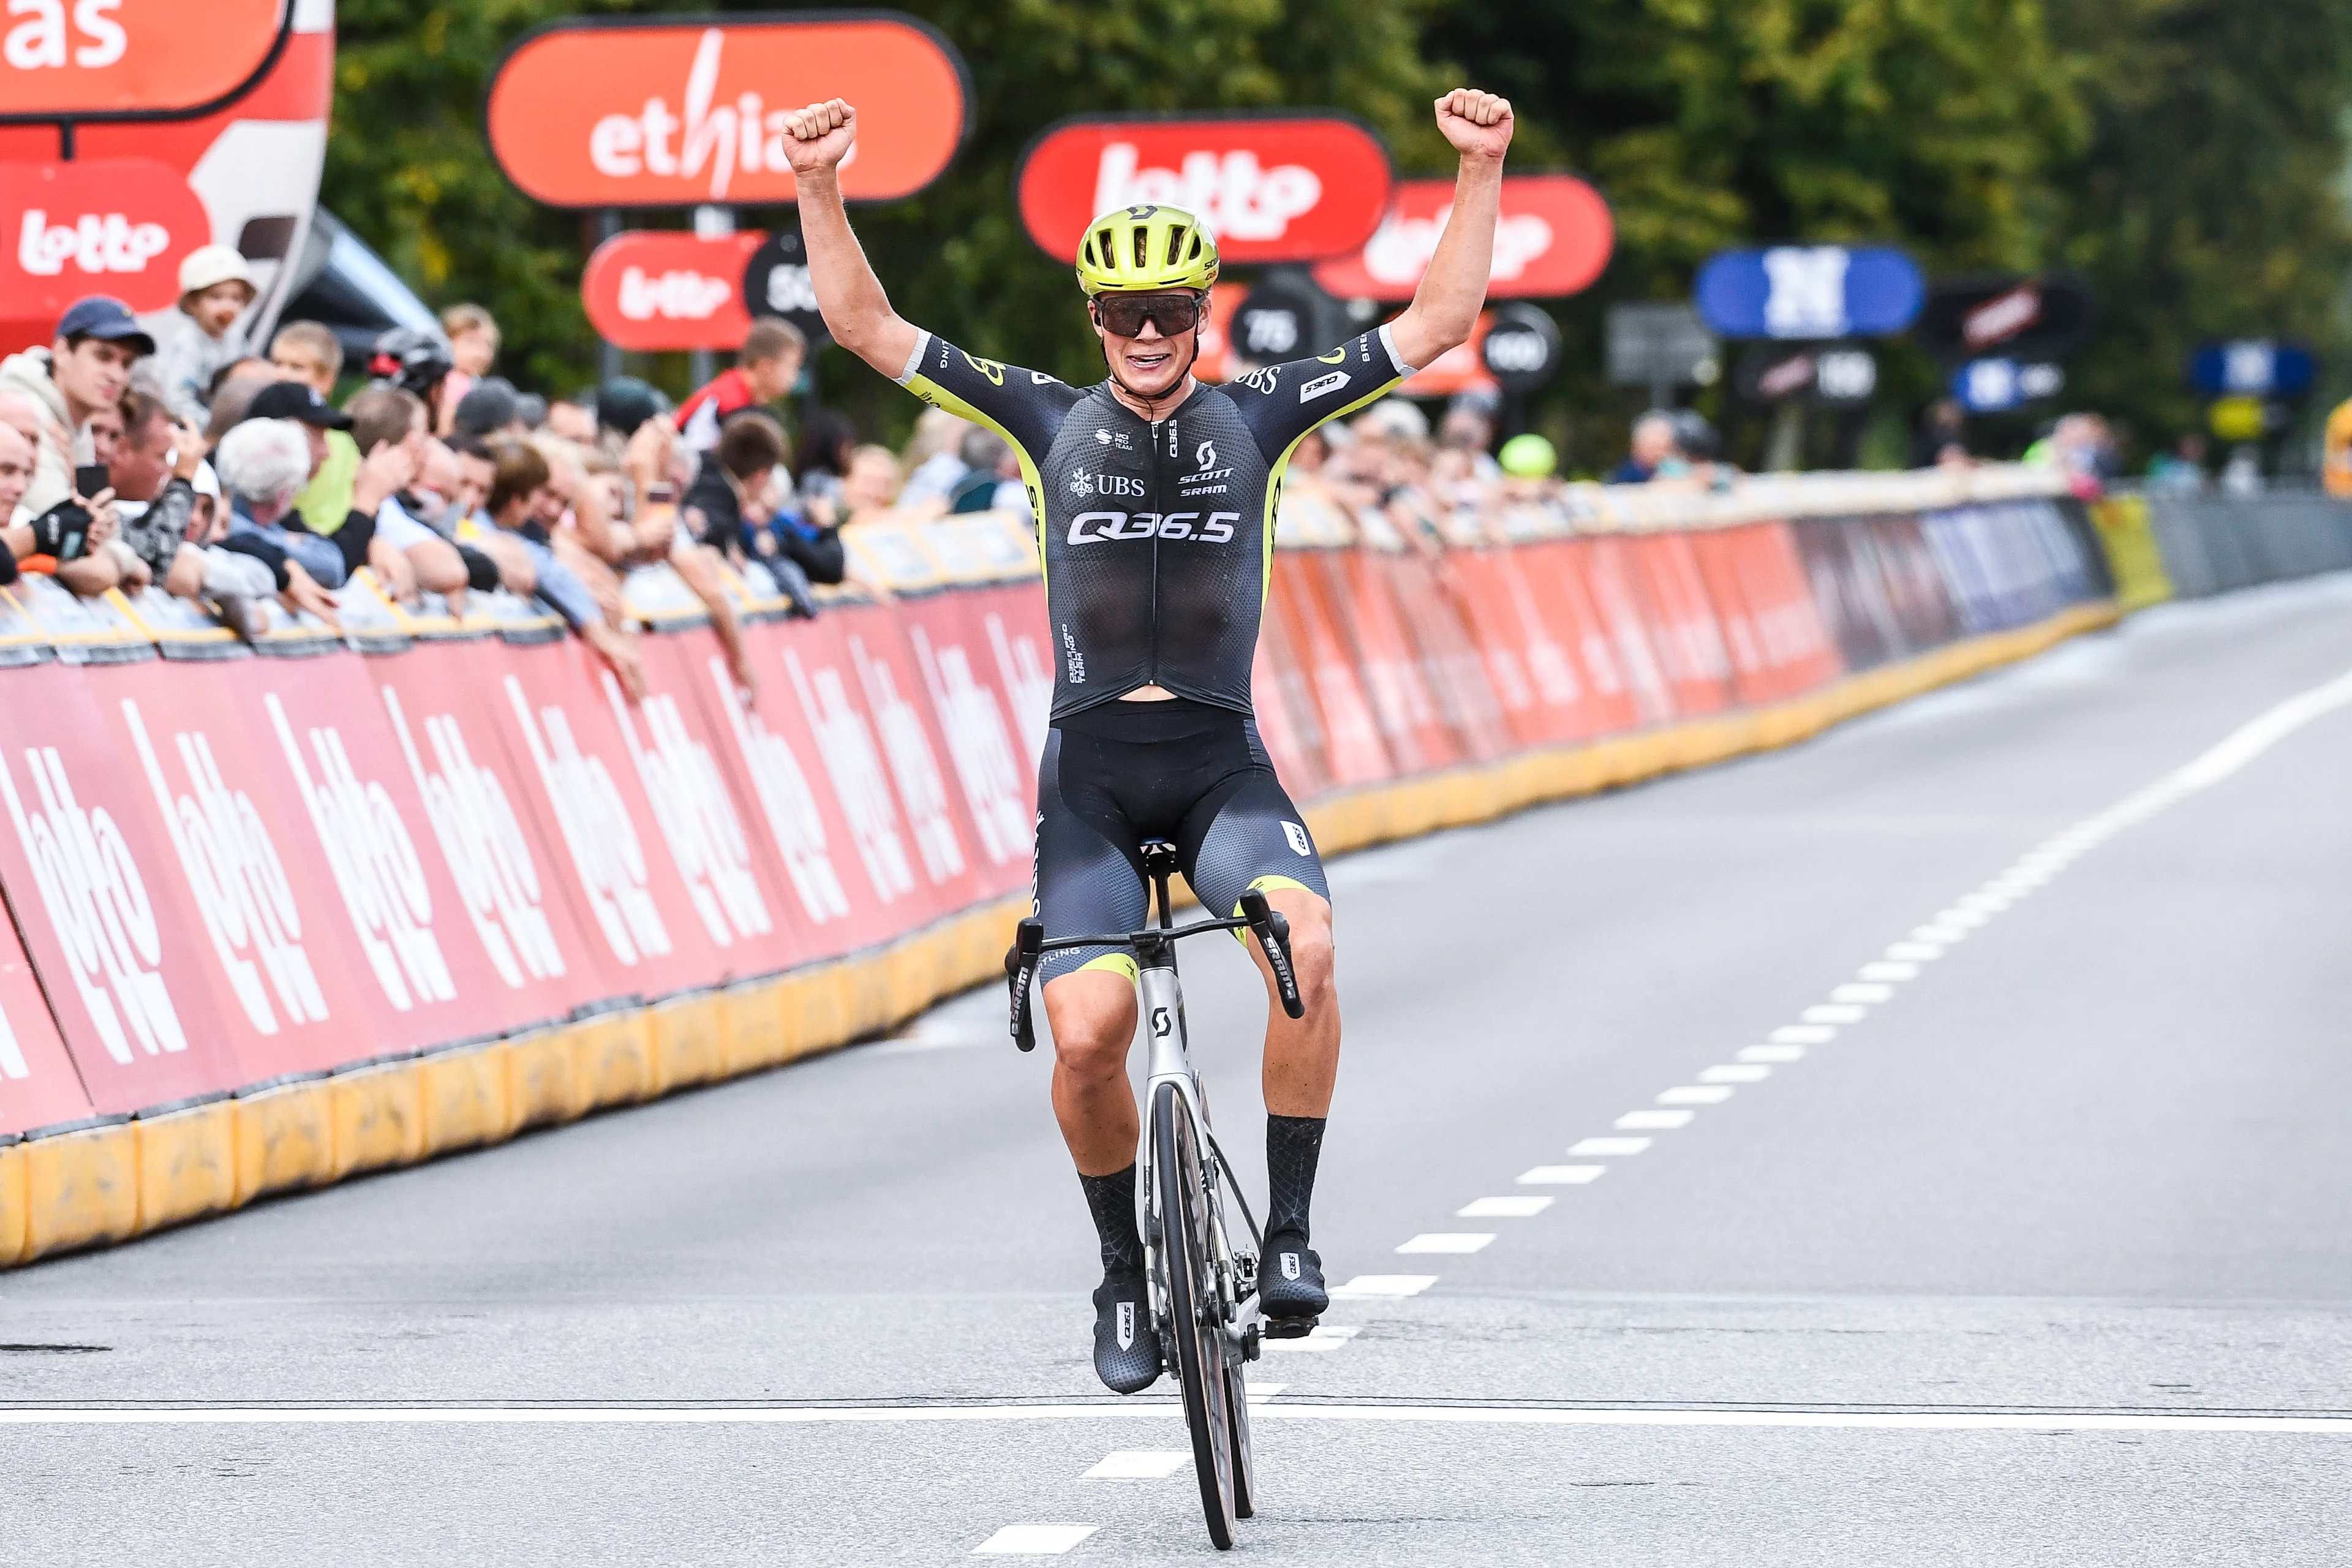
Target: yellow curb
x: 688, y: 1043
x: 465, y: 1096
x: 378, y: 1117
x: 187, y: 1164
x: 285, y: 1138
x: 611, y: 1061
x: 754, y: 1031
x: 543, y: 1079
x: 80, y: 1188
x: 14, y: 1205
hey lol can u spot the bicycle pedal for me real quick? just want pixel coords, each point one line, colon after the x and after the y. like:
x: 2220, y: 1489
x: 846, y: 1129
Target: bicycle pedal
x: 1290, y: 1328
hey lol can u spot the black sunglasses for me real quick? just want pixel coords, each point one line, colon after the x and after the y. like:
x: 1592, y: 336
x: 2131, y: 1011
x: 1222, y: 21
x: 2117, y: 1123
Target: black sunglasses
x: 1123, y: 315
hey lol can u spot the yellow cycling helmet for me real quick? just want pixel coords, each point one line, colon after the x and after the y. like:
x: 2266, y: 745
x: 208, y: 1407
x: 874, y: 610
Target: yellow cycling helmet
x: 1130, y: 250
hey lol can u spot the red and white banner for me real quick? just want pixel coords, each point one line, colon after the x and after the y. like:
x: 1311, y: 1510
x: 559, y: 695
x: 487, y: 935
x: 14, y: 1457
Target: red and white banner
x: 90, y: 58
x: 1553, y: 236
x: 647, y: 112
x: 106, y: 226
x: 1271, y: 187
x: 38, y: 1085
x: 656, y: 290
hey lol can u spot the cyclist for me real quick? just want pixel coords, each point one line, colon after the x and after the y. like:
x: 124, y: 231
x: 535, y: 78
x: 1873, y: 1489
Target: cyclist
x: 1155, y: 498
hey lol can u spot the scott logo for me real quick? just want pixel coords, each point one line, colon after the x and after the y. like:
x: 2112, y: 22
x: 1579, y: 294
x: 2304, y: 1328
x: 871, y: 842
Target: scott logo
x: 684, y: 296
x: 1094, y: 527
x: 1238, y: 199
x: 1205, y: 456
x: 94, y: 243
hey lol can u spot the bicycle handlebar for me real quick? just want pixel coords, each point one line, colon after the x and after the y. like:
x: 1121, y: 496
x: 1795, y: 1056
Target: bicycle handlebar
x: 1257, y: 917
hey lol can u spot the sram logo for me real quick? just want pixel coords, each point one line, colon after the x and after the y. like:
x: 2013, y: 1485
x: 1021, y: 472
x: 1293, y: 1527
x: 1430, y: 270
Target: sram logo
x: 1093, y: 527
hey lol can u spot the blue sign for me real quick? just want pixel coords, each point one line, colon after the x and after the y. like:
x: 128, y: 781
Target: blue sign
x: 1997, y: 385
x: 1809, y: 291
x: 2252, y: 367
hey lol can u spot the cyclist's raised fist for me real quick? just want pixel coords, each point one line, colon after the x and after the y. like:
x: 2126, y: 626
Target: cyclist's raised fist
x: 819, y: 137
x: 1476, y: 123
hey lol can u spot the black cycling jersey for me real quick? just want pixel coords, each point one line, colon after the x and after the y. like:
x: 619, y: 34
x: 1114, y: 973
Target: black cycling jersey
x: 1157, y: 535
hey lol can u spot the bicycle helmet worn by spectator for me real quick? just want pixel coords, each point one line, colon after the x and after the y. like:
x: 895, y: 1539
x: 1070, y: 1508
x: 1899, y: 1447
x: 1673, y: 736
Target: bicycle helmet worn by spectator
x: 1140, y: 248
x: 411, y: 359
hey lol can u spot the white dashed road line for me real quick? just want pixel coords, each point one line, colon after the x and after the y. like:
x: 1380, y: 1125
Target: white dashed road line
x: 1324, y: 1337
x: 1034, y: 1540
x: 1386, y: 1285
x: 1503, y: 1208
x: 1448, y: 1241
x: 1653, y: 1121
x: 1610, y: 1145
x: 1139, y: 1464
x: 1561, y: 1175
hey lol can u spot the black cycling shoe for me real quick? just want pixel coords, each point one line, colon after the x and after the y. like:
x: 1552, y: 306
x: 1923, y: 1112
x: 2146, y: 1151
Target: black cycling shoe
x: 1290, y: 1278
x: 1127, y: 1351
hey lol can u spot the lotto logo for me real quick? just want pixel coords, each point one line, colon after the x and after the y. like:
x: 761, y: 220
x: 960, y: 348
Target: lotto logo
x: 912, y: 765
x: 596, y: 830
x: 374, y: 865
x: 683, y: 296
x: 238, y: 881
x: 977, y: 745
x: 787, y: 803
x: 94, y: 242
x: 856, y: 769
x: 97, y: 905
x: 698, y: 818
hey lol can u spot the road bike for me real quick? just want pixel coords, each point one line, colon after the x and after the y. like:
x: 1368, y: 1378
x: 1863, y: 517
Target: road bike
x: 1204, y: 1286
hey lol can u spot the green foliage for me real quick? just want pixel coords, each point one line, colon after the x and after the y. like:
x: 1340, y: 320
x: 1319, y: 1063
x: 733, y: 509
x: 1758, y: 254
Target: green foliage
x: 2184, y: 153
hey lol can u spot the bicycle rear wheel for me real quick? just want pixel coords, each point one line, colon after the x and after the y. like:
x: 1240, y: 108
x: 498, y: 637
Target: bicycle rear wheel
x: 1194, y: 1319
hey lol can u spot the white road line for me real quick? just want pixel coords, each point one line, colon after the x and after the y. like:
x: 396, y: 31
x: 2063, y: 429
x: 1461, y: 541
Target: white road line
x: 1139, y: 1464
x: 1803, y: 1034
x: 1034, y: 1540
x: 1560, y: 1176
x: 1861, y: 991
x: 2332, y: 1426
x: 1610, y: 1145
x: 1448, y: 1241
x: 1914, y: 951
x: 1771, y: 1053
x: 1696, y: 1094
x: 1323, y: 1337
x: 1258, y: 1391
x: 1889, y: 969
x: 1639, y: 1120
x: 1834, y: 1013
x: 1390, y: 1285
x: 1503, y: 1208
x: 1754, y: 1072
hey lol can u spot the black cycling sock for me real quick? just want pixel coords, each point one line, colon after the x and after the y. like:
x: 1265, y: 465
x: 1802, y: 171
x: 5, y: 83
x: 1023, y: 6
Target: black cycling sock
x: 1111, y: 1200
x: 1293, y: 1144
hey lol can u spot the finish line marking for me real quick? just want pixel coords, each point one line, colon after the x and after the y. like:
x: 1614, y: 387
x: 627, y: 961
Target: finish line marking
x: 894, y: 1414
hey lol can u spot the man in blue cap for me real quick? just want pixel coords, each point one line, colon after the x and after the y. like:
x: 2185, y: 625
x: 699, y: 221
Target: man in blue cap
x: 87, y: 368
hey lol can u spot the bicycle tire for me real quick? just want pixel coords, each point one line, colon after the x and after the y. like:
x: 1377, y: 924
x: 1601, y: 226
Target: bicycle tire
x: 1199, y: 1340
x: 1244, y: 1466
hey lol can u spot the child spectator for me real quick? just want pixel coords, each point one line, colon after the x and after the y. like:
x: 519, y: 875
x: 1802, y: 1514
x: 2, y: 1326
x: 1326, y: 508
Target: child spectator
x: 765, y: 369
x: 473, y: 337
x: 309, y: 354
x: 201, y: 337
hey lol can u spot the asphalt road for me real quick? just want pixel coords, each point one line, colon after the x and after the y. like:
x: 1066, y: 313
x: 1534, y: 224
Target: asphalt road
x: 2036, y: 1248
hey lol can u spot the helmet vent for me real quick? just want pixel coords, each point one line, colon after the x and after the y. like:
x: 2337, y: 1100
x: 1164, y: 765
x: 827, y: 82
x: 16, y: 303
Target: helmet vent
x: 1175, y: 245
x: 1142, y: 242
x: 1105, y: 256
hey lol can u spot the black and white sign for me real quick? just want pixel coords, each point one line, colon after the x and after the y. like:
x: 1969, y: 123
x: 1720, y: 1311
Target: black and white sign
x: 776, y: 283
x: 1284, y: 316
x: 1660, y: 345
x: 1830, y: 374
x: 2024, y: 318
x: 1521, y: 349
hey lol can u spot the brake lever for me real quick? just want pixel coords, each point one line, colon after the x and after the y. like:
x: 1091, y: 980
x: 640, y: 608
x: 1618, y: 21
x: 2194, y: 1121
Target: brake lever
x: 1272, y: 933
x: 1020, y: 969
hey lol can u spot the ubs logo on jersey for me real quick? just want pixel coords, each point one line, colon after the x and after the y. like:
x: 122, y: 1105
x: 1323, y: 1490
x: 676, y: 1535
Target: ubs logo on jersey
x: 1086, y: 484
x: 1262, y: 380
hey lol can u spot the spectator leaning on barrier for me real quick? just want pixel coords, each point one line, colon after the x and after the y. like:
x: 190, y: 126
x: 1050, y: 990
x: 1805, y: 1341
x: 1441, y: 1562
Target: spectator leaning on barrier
x: 933, y: 469
x: 1651, y: 449
x: 161, y: 516
x: 872, y: 484
x: 199, y: 337
x: 765, y: 369
x: 573, y: 418
x: 17, y: 460
x: 405, y: 555
x: 821, y: 457
x: 473, y: 337
x: 992, y: 474
x: 85, y: 369
x: 263, y: 465
x: 518, y: 502
x: 309, y: 354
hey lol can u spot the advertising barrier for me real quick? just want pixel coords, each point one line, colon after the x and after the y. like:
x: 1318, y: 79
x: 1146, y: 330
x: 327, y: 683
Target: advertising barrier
x: 276, y: 919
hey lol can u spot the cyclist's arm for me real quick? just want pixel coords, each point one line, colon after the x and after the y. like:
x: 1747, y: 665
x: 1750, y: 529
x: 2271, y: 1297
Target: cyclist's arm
x: 1445, y: 306
x: 1024, y: 406
x: 857, y: 311
x: 1283, y: 402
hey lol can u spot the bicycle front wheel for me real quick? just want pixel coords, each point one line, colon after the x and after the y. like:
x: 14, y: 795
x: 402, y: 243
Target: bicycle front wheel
x: 1194, y: 1315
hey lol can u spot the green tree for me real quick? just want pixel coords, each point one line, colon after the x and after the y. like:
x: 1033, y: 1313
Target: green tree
x: 407, y: 166
x: 2209, y: 201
